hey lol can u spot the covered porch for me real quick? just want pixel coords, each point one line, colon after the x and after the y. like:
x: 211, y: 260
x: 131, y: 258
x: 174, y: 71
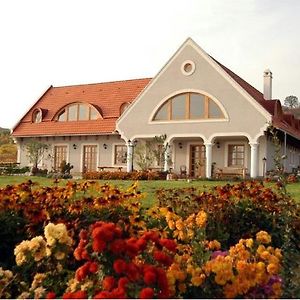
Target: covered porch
x: 197, y: 157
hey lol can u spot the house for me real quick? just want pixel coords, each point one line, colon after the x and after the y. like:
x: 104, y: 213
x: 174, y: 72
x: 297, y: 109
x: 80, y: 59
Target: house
x: 209, y: 115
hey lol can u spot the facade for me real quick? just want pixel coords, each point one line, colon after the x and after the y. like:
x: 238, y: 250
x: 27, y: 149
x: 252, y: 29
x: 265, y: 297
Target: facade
x: 209, y: 115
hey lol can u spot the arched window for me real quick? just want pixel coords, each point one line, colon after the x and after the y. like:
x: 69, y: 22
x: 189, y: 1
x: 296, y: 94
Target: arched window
x: 123, y: 107
x: 37, y: 115
x: 188, y: 106
x: 78, y: 112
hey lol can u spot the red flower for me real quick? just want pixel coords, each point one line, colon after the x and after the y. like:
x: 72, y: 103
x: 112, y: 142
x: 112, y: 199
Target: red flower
x: 132, y: 272
x: 132, y: 247
x: 169, y: 244
x: 50, y: 295
x: 98, y: 245
x: 80, y: 295
x: 122, y: 283
x: 108, y: 283
x: 152, y: 236
x: 117, y: 246
x: 93, y: 268
x: 118, y: 293
x: 82, y: 271
x: 162, y: 258
x: 103, y: 295
x: 149, y: 277
x: 141, y: 244
x: 147, y: 293
x: 83, y: 234
x: 119, y: 266
x: 68, y: 295
x: 162, y: 283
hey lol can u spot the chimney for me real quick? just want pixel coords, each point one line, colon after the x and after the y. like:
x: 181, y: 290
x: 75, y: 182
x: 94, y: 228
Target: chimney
x: 268, y: 84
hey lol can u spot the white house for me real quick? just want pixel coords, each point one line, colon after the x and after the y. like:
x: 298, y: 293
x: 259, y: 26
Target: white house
x: 208, y: 113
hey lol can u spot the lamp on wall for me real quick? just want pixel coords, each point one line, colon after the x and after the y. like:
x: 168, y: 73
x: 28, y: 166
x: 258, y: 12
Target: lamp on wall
x: 105, y: 146
x: 218, y: 144
x: 74, y: 146
x: 180, y: 145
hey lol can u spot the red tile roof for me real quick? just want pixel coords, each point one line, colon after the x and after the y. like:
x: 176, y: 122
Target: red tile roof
x: 108, y: 97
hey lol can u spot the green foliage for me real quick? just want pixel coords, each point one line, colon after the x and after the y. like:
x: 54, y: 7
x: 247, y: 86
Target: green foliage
x: 291, y: 102
x: 12, y: 232
x: 35, y: 152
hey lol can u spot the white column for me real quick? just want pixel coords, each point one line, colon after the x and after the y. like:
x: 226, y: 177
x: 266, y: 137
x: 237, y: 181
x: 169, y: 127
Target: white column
x: 167, y: 157
x: 254, y: 160
x: 208, y: 155
x: 129, y: 156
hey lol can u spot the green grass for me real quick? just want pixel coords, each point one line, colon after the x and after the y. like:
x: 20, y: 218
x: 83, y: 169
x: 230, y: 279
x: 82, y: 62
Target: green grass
x: 147, y: 187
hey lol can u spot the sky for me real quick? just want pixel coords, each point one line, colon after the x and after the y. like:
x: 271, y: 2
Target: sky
x: 66, y: 42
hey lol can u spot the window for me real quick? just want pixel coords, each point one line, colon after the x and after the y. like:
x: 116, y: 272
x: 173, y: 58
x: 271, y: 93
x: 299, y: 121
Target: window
x: 60, y: 154
x: 123, y: 107
x: 37, y: 116
x: 236, y: 155
x: 120, y: 155
x: 188, y: 106
x: 78, y: 112
x: 89, y: 162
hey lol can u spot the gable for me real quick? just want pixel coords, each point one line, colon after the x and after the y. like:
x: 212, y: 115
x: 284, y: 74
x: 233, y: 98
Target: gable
x: 208, y: 78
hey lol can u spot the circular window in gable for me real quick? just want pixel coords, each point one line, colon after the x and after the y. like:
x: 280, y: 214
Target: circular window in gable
x: 188, y: 67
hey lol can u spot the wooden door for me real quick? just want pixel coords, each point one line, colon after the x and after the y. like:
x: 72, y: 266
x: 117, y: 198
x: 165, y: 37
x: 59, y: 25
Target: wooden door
x: 89, y: 158
x: 197, y: 160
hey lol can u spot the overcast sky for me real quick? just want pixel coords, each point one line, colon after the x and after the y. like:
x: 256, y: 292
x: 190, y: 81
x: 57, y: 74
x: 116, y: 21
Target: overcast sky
x: 62, y: 42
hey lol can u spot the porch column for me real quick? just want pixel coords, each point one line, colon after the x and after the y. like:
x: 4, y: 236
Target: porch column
x: 167, y: 157
x: 129, y: 156
x: 208, y: 156
x: 254, y: 160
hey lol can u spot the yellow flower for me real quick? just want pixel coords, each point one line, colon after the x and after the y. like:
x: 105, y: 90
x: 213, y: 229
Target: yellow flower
x: 263, y: 237
x: 197, y: 280
x: 59, y: 255
x: 201, y: 218
x: 180, y: 224
x: 272, y: 269
x: 249, y: 243
x: 260, y: 266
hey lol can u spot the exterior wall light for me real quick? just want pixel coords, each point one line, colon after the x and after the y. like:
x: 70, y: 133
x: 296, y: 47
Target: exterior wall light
x: 105, y: 146
x: 218, y: 144
x: 180, y: 145
x: 74, y: 146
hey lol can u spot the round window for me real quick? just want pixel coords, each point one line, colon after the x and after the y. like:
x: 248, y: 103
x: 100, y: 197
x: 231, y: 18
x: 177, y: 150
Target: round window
x: 188, y: 68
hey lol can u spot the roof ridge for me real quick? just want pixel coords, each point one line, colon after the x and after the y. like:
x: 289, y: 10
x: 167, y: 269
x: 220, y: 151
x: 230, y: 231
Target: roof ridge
x: 105, y: 82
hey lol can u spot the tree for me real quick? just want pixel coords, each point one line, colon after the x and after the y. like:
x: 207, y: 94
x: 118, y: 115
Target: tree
x: 35, y: 153
x: 291, y: 102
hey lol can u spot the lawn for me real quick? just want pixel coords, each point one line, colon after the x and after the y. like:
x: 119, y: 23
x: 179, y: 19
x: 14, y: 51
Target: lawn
x: 147, y: 187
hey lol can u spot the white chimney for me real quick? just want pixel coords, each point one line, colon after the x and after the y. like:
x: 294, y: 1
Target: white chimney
x: 268, y: 84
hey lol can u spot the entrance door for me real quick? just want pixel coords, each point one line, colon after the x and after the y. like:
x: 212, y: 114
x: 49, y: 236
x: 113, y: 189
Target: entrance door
x: 89, y: 158
x: 197, y: 160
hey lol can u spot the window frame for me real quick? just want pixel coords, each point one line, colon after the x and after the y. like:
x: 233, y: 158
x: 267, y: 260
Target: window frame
x: 187, y: 114
x: 230, y: 158
x: 116, y: 163
x: 65, y: 111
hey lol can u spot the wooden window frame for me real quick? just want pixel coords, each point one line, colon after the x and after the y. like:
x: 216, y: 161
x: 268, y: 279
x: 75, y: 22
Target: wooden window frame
x: 187, y: 114
x: 230, y: 159
x: 116, y: 163
x: 66, y: 111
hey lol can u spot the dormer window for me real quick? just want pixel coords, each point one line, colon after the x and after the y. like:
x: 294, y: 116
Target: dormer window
x: 123, y: 107
x: 78, y: 112
x: 37, y: 115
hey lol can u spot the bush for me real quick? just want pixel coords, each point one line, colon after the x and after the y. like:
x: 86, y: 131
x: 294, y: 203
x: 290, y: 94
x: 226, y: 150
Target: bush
x: 120, y: 175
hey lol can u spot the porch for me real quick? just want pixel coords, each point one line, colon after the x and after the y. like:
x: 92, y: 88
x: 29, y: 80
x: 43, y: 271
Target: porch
x: 194, y: 157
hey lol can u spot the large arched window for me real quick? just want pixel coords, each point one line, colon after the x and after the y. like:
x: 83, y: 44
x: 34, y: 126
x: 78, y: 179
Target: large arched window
x: 188, y: 106
x: 78, y: 112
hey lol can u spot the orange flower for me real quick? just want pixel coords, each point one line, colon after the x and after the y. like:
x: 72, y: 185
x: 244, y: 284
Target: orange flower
x: 108, y: 283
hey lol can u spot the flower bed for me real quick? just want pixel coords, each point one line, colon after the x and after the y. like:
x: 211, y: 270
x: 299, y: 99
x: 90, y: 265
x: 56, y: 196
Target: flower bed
x: 96, y: 241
